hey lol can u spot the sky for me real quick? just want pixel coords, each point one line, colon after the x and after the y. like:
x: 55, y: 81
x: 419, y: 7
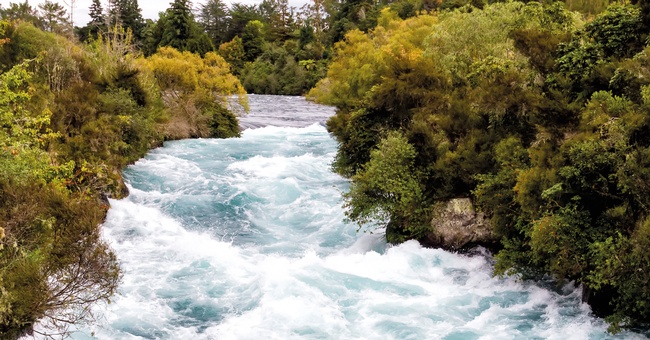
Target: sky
x: 150, y: 8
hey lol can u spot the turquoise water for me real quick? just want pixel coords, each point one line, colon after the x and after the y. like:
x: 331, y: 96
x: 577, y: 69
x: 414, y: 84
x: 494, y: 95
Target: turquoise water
x: 245, y: 239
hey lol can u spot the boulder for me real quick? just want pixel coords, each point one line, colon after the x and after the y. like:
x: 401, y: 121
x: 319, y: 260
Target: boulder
x: 457, y: 226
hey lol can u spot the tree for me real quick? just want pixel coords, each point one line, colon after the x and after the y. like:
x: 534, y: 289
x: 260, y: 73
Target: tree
x: 96, y: 13
x: 233, y: 52
x: 178, y: 25
x: 279, y: 19
x: 619, y: 31
x: 20, y: 127
x: 176, y: 28
x: 54, y: 17
x: 132, y: 17
x: 644, y: 5
x: 240, y: 15
x: 314, y: 14
x: 213, y: 17
x: 306, y: 35
x: 389, y: 189
x: 253, y: 40
x: 21, y: 11
x: 361, y: 14
x: 152, y: 34
x: 128, y: 14
x: 97, y: 22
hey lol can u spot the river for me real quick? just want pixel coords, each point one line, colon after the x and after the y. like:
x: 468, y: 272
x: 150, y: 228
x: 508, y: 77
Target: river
x: 245, y: 238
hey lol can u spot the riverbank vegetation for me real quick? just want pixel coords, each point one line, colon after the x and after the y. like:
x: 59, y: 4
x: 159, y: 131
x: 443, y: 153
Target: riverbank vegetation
x: 539, y: 114
x: 72, y: 116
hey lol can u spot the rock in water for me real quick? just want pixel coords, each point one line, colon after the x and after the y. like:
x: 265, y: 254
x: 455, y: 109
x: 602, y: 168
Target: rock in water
x: 457, y: 225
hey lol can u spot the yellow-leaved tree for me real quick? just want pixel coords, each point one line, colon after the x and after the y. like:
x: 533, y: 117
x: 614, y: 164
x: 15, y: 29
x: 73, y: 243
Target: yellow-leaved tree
x: 197, y: 93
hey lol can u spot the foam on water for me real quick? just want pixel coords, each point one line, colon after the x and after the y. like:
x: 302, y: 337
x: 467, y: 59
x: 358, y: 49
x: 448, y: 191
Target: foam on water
x: 245, y: 239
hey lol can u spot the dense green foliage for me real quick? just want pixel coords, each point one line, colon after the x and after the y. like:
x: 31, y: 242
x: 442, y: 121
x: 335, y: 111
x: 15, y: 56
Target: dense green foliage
x: 273, y: 49
x: 541, y: 118
x: 72, y: 117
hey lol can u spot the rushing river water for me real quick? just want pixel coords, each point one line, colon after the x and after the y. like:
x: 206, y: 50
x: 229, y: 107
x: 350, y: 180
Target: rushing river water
x: 245, y: 238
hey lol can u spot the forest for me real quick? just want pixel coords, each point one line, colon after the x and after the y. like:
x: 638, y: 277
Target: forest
x: 540, y: 113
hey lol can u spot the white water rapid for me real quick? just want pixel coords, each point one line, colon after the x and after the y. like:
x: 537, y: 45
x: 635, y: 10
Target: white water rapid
x: 245, y: 238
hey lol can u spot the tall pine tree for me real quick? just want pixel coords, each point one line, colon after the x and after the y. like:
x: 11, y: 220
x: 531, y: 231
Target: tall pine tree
x: 97, y: 22
x: 176, y: 28
x: 54, y: 17
x: 279, y: 19
x: 178, y: 25
x: 240, y: 15
x: 127, y: 14
x: 213, y: 17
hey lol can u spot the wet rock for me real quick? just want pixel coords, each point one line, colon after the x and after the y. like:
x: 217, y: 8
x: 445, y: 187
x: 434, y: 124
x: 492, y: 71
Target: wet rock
x: 457, y: 226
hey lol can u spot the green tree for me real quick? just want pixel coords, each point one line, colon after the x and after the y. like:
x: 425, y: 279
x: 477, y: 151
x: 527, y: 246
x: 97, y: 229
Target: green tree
x: 306, y: 35
x: 96, y: 25
x: 618, y: 31
x: 586, y: 63
x: 21, y: 129
x: 176, y: 28
x: 213, y: 17
x: 279, y: 19
x: 353, y: 14
x: 233, y: 53
x: 54, y: 17
x: 253, y: 40
x: 388, y: 189
x: 151, y: 34
x: 97, y: 17
x: 179, y: 25
x: 127, y: 13
x: 96, y: 13
x: 21, y: 11
x: 240, y: 15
